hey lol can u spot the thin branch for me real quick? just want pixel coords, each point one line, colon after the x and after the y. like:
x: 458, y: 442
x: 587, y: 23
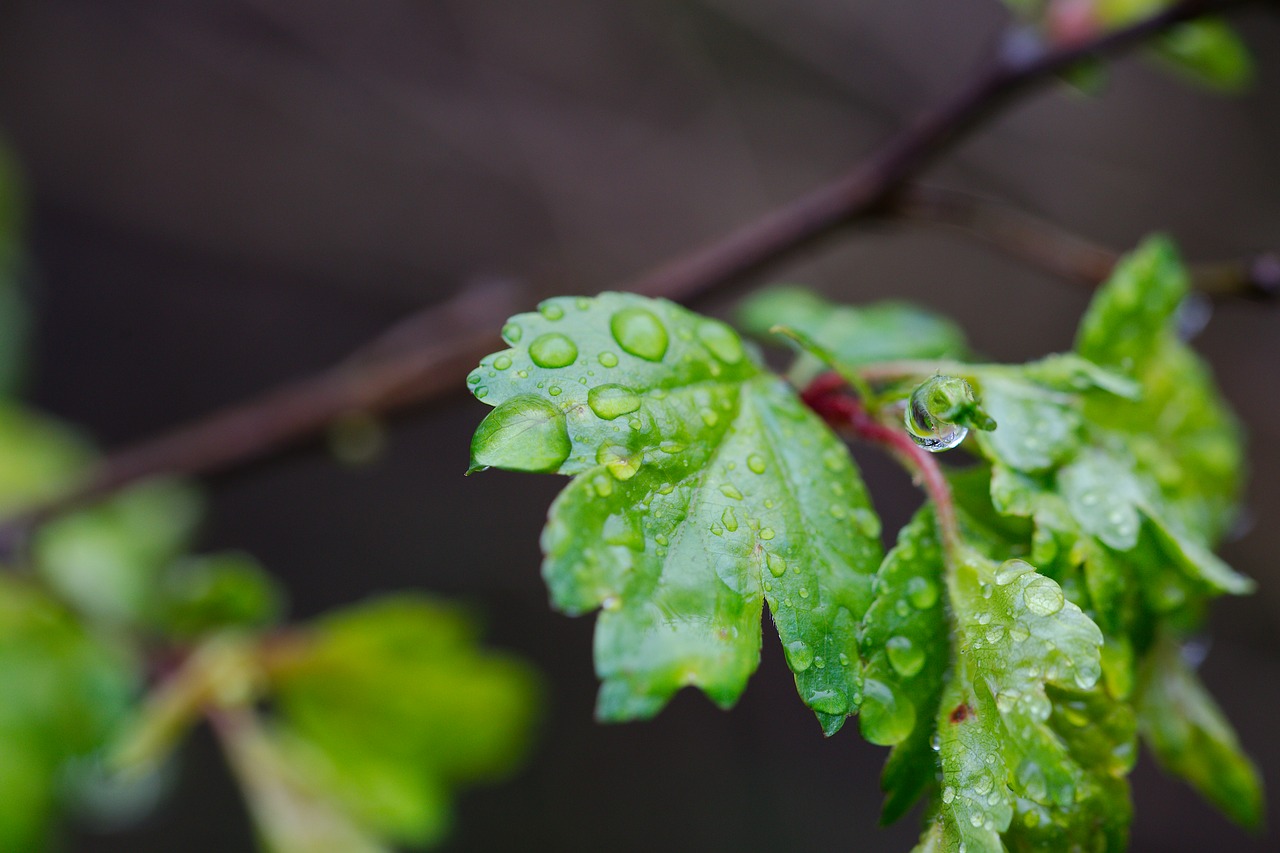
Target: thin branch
x: 1056, y: 250
x: 828, y: 396
x: 1020, y: 66
x: 398, y: 376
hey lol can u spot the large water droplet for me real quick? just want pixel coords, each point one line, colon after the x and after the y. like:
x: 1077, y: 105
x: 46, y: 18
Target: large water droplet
x: 886, y: 717
x: 755, y: 462
x: 620, y: 462
x: 553, y: 350
x: 922, y: 593
x: 612, y: 401
x: 1011, y: 570
x: 526, y: 433
x: 722, y: 341
x: 926, y: 430
x: 639, y: 332
x: 799, y: 655
x: 777, y: 565
x: 905, y: 656
x: 1043, y: 596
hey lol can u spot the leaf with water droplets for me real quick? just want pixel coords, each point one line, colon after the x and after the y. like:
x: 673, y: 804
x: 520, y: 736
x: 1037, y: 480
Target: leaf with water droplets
x: 1192, y: 739
x: 905, y: 652
x: 704, y: 489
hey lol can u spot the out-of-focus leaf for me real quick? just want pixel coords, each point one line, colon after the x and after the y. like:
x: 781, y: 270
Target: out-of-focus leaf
x: 704, y: 488
x: 39, y: 457
x: 199, y: 595
x: 64, y: 693
x: 107, y: 560
x: 381, y: 702
x: 1192, y: 739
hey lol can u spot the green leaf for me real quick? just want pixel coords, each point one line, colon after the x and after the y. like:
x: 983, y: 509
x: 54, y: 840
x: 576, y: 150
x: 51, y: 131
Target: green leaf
x: 39, y: 457
x: 704, y: 489
x: 1192, y: 739
x: 66, y: 691
x: 199, y: 595
x: 886, y: 331
x: 905, y: 653
x: 1180, y: 434
x: 107, y: 560
x: 384, y: 699
x: 1017, y: 633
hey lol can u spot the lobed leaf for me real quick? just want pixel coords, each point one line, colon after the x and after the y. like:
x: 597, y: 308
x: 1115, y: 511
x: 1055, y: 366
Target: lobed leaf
x: 704, y: 489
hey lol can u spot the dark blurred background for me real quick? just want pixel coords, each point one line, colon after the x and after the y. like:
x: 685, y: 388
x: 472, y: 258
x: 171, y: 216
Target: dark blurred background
x: 229, y: 194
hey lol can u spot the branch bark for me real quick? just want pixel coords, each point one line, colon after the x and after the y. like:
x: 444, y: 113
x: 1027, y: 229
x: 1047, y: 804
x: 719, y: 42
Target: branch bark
x: 398, y: 376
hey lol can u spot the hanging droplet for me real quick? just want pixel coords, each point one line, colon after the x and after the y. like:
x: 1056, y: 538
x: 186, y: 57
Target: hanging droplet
x: 940, y: 411
x: 933, y: 435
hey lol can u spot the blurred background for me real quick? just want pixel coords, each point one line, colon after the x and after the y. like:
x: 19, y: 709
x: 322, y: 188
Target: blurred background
x: 228, y: 194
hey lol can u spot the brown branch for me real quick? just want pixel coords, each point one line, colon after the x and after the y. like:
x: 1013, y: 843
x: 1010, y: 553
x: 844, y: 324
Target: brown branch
x: 1052, y: 248
x: 398, y: 376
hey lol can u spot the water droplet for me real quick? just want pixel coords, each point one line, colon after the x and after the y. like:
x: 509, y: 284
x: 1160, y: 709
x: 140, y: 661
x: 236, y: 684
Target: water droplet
x: 661, y: 539
x: 481, y: 392
x: 553, y: 350
x: 905, y: 657
x: 901, y: 607
x: 611, y: 602
x: 621, y: 463
x: 666, y: 488
x: 948, y: 794
x: 555, y: 391
x: 844, y: 659
x: 730, y: 519
x: 612, y: 401
x: 730, y: 492
x: 1031, y: 780
x: 639, y: 332
x: 766, y: 533
x: 502, y: 362
x: 755, y: 462
x: 474, y: 378
x: 933, y: 435
x: 608, y: 359
x: 838, y: 511
x: 1043, y: 596
x: 922, y: 592
x: 1005, y: 701
x: 995, y: 634
x: 526, y: 433
x: 551, y: 310
x: 777, y: 565
x: 582, y: 302
x: 523, y: 374
x: 1018, y: 632
x: 717, y: 530
x: 799, y: 655
x: 1011, y: 570
x: 983, y: 785
x: 804, y: 593
x: 886, y: 717
x: 975, y: 819
x: 511, y: 333
x: 722, y: 341
x: 671, y: 447
x: 709, y: 417
x: 602, y: 484
x: 833, y: 460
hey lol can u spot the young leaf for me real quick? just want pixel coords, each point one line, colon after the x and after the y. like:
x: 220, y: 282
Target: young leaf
x: 886, y: 331
x: 1191, y: 738
x: 65, y: 692
x: 704, y: 488
x: 380, y: 703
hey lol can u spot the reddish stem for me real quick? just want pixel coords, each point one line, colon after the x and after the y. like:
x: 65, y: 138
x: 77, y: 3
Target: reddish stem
x: 828, y: 395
